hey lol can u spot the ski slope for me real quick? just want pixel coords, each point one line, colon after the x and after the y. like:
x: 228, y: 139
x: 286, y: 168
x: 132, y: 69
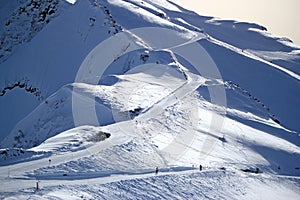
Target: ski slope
x: 132, y: 151
x: 178, y: 90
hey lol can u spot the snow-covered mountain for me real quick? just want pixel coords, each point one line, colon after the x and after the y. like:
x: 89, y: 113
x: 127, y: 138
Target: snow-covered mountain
x: 95, y: 94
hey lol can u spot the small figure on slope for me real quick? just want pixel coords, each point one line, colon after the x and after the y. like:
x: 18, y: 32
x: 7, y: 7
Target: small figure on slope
x: 156, y: 170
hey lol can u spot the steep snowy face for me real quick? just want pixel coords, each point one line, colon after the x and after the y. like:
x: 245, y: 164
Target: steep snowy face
x: 113, y: 62
x: 44, y: 53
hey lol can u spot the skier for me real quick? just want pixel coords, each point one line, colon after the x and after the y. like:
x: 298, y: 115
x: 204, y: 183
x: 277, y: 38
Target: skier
x: 156, y: 170
x: 200, y: 167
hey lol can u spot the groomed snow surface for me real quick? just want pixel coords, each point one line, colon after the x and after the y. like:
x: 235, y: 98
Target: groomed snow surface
x: 154, y: 110
x: 119, y: 160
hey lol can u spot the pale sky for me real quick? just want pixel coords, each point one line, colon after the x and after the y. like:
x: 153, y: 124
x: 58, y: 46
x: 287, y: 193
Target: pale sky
x: 280, y: 17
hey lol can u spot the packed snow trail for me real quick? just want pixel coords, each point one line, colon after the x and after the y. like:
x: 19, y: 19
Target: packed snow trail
x: 13, y: 184
x: 204, y: 184
x: 187, y: 88
x: 19, y: 170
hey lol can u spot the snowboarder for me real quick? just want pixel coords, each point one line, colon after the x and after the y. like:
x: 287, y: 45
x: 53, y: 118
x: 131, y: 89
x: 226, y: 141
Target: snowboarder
x: 200, y: 167
x: 156, y: 170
